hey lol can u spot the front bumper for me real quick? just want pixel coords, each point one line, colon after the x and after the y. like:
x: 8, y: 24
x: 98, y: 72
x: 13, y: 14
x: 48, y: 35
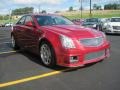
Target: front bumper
x: 84, y: 57
x: 112, y: 30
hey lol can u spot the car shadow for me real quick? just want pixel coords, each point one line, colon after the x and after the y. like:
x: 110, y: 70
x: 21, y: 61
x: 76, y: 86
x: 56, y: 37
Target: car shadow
x: 116, y: 34
x: 36, y: 59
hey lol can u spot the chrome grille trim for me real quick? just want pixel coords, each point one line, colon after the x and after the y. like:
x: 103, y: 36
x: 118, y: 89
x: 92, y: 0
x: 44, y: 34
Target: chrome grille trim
x: 94, y: 55
x: 116, y: 27
x: 92, y: 42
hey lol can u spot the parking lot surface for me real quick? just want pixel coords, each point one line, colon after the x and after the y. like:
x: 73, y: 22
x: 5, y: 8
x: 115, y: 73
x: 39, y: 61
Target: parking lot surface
x: 20, y: 70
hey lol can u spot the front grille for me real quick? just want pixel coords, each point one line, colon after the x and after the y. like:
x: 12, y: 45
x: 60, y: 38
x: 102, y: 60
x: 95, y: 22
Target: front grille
x: 94, y: 55
x: 116, y: 27
x: 92, y: 41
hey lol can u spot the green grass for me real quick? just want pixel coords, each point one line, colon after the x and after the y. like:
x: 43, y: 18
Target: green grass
x: 97, y: 14
x: 77, y: 14
x: 6, y: 21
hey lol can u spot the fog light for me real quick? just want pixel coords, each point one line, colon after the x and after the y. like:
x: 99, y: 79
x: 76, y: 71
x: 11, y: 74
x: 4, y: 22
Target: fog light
x: 73, y: 59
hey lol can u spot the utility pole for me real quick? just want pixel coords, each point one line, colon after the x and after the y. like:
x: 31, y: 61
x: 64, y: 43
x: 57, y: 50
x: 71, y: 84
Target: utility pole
x: 10, y: 15
x: 80, y: 1
x: 39, y: 8
x: 90, y: 9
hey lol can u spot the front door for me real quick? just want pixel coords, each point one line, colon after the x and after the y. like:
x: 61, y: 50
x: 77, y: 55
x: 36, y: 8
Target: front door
x: 31, y: 35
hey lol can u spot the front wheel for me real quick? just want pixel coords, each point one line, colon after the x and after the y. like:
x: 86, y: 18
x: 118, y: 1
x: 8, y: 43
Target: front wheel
x: 47, y: 54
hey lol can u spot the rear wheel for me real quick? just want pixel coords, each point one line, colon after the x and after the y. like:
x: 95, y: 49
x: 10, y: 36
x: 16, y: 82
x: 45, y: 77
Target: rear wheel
x: 14, y: 44
x: 47, y: 54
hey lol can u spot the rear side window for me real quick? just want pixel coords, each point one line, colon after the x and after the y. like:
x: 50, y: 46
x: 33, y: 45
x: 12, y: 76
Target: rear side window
x: 29, y: 19
x: 21, y: 21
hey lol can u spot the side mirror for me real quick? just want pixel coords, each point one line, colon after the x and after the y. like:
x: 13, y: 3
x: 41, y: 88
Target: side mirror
x: 29, y: 23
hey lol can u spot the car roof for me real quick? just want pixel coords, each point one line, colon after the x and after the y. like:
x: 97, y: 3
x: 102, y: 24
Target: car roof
x: 41, y: 14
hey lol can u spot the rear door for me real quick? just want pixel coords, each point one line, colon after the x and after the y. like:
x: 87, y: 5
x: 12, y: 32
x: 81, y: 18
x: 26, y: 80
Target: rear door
x: 19, y: 31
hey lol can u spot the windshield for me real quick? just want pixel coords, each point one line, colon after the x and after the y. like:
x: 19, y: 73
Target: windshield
x: 52, y: 20
x: 115, y: 19
x: 92, y: 20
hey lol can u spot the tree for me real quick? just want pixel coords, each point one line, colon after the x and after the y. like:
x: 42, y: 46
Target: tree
x: 112, y: 6
x: 96, y: 7
x: 71, y: 8
x: 21, y: 11
x: 57, y: 11
x: 1, y: 17
x: 43, y: 11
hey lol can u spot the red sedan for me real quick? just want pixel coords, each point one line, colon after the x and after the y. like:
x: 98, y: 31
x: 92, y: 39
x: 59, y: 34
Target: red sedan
x: 58, y: 41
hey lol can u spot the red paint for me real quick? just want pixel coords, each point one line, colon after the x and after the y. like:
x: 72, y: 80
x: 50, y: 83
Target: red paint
x: 30, y: 37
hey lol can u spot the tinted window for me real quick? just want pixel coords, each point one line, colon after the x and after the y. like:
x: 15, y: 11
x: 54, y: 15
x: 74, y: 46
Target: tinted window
x: 21, y: 21
x: 115, y: 19
x: 92, y: 20
x: 52, y: 20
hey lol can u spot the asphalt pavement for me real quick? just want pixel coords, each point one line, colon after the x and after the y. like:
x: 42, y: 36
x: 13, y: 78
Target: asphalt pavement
x: 21, y: 70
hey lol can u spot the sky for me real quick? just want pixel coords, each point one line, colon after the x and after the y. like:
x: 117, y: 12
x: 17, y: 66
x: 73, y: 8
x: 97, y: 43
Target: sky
x: 49, y: 5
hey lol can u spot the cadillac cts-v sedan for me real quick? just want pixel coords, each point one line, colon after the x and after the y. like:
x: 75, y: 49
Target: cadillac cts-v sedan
x: 58, y: 41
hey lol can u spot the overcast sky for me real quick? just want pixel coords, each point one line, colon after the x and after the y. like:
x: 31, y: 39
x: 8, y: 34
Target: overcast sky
x: 48, y: 5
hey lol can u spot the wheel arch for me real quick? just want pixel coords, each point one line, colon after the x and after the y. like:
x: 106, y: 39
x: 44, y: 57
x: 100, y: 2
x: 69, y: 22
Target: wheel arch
x: 44, y: 40
x: 51, y: 46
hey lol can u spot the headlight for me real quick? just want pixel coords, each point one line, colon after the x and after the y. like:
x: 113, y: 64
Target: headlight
x: 109, y: 26
x: 67, y: 42
x: 94, y: 25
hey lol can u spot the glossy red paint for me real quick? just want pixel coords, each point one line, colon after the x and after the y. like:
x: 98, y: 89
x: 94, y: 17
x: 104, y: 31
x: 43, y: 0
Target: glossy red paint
x: 30, y: 37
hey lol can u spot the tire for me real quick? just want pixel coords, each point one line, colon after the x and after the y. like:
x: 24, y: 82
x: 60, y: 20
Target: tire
x: 101, y: 60
x: 14, y: 43
x: 47, y: 54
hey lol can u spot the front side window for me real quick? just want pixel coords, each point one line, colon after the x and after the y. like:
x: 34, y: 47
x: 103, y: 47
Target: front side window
x: 52, y: 20
x: 21, y: 21
x: 28, y: 19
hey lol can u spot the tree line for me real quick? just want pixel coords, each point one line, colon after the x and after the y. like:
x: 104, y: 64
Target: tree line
x: 112, y: 6
x: 109, y: 6
x: 4, y: 17
x: 20, y: 11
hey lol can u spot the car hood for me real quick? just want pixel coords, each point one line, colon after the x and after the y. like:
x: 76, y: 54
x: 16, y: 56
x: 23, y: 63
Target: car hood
x: 114, y: 23
x: 74, y: 31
